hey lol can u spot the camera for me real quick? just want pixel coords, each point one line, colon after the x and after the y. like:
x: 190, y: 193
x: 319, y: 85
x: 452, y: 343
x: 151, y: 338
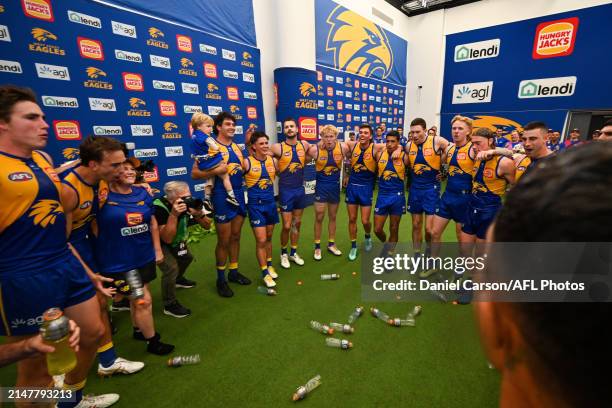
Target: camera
x: 192, y: 202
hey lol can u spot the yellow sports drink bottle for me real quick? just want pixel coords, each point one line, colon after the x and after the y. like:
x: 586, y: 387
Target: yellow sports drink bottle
x: 55, y: 331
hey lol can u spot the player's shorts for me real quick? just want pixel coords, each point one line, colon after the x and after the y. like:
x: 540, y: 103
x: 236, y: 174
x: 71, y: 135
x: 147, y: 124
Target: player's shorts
x: 262, y: 213
x: 390, y: 204
x: 224, y: 211
x: 290, y: 199
x: 359, y: 194
x: 454, y: 206
x: 25, y: 295
x: 208, y: 162
x: 84, y: 247
x: 422, y: 200
x: 479, y: 220
x: 327, y: 193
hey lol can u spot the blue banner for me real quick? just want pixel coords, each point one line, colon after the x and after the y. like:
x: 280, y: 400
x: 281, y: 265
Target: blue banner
x: 296, y: 96
x: 347, y: 100
x: 349, y: 42
x: 530, y: 69
x: 98, y: 70
x: 230, y: 19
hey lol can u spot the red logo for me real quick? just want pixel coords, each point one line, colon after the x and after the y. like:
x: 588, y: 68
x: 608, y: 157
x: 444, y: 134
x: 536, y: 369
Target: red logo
x: 364, y: 97
x: 330, y: 91
x: 133, y: 82
x: 428, y: 151
x: 20, y: 176
x: 67, y: 129
x: 461, y: 156
x: 134, y: 218
x: 340, y: 105
x: 251, y: 112
x: 489, y: 173
x: 167, y: 108
x: 348, y: 117
x: 90, y: 48
x: 319, y: 76
x: 183, y: 43
x: 555, y: 38
x: 40, y: 9
x: 210, y: 70
x: 151, y: 176
x: 356, y: 82
x: 232, y: 93
x: 308, y: 128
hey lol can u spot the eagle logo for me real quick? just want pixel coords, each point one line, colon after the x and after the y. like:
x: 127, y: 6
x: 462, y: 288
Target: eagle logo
x: 246, y: 56
x: 455, y: 171
x: 94, y: 72
x: 306, y: 88
x: 359, y: 168
x: 136, y: 102
x: 42, y: 35
x: 388, y: 175
x: 264, y: 184
x: 186, y: 62
x: 293, y: 167
x: 359, y: 45
x: 329, y: 170
x: 477, y: 187
x: 70, y: 153
x: 420, y: 168
x: 155, y: 32
x: 232, y: 168
x: 45, y: 212
x: 168, y: 126
x: 212, y: 87
x: 234, y: 108
x: 496, y: 122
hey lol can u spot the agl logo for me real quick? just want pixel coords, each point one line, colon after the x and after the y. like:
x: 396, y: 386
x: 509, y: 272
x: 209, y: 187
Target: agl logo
x: 555, y: 38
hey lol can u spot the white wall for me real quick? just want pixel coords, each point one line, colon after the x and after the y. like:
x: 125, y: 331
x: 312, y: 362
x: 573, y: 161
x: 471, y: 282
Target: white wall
x: 286, y: 37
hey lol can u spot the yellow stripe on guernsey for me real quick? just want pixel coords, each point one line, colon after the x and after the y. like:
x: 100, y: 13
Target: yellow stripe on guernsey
x: 521, y: 167
x: 260, y: 176
x: 289, y: 163
x: 486, y: 179
x: 82, y: 213
x: 430, y: 160
x: 368, y: 163
x: 20, y: 188
x: 462, y: 163
x: 329, y: 165
x: 391, y: 173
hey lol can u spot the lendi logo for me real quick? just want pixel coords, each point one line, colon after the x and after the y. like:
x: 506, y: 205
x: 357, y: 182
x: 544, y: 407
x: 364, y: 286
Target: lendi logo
x: 60, y: 102
x: 177, y: 171
x: 192, y: 108
x: 95, y: 74
x: 164, y: 85
x: 477, y: 50
x: 547, y: 87
x: 186, y: 65
x: 107, y: 130
x: 208, y: 49
x: 44, y: 42
x: 156, y: 38
x: 84, y: 19
x: 128, y: 56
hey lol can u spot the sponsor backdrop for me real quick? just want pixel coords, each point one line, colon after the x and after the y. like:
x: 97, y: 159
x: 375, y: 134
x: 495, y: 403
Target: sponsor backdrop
x: 349, y: 42
x: 100, y: 70
x: 347, y: 100
x: 535, y: 69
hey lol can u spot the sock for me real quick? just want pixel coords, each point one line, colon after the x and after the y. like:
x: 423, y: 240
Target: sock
x: 233, y: 268
x: 269, y: 261
x: 264, y: 271
x: 318, y: 244
x: 331, y: 243
x: 77, y: 390
x: 107, y: 355
x: 353, y: 244
x: 231, y: 194
x: 427, y: 251
x: 220, y: 273
x: 293, y: 250
x: 367, y: 236
x: 284, y: 250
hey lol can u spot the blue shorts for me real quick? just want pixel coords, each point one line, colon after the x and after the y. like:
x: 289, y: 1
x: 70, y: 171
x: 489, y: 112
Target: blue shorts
x: 84, y: 246
x: 390, y: 204
x: 423, y: 200
x: 479, y: 220
x: 359, y: 194
x: 210, y: 162
x: 262, y: 213
x: 27, y: 294
x: 327, y: 193
x: 224, y: 211
x: 454, y: 206
x: 290, y: 199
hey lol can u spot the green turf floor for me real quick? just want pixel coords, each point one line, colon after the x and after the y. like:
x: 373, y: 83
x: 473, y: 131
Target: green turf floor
x: 257, y: 349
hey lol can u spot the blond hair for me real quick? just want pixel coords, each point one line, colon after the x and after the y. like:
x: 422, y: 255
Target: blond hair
x: 464, y: 119
x: 199, y: 118
x: 328, y: 129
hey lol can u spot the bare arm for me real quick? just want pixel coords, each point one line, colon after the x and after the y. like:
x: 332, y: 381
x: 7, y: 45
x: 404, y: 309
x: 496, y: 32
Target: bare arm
x: 507, y: 169
x: 276, y: 150
x: 69, y: 200
x: 159, y: 256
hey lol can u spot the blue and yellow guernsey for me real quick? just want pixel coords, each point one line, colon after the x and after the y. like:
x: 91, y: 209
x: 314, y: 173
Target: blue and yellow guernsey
x: 391, y: 173
x: 232, y: 156
x: 328, y: 165
x: 521, y: 168
x: 363, y: 165
x: 32, y: 219
x: 488, y: 186
x: 291, y: 165
x: 460, y: 168
x: 259, y: 180
x: 424, y: 163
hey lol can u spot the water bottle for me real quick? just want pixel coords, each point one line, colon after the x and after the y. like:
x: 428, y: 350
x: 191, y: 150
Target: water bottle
x: 303, y: 390
x: 55, y: 331
x: 414, y: 312
x: 132, y: 278
x: 344, y: 328
x: 322, y: 328
x: 401, y: 322
x: 356, y: 313
x: 333, y: 276
x: 183, y: 360
x: 338, y: 343
x: 379, y: 314
x: 266, y: 291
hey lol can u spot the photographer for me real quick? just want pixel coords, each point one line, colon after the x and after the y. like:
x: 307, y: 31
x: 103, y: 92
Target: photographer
x: 172, y: 213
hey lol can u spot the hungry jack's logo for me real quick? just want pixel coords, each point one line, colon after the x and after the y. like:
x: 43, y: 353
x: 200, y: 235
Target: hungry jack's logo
x: 40, y: 9
x: 555, y: 38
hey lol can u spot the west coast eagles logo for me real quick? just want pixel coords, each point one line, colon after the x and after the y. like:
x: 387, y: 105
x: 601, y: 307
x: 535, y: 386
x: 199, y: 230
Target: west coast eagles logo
x: 293, y: 167
x: 388, y: 175
x: 45, y: 212
x: 496, y: 122
x: 420, y: 168
x: 233, y: 168
x: 264, y: 184
x: 70, y: 153
x: 307, y: 88
x: 359, y: 45
x: 42, y: 35
x: 329, y: 170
